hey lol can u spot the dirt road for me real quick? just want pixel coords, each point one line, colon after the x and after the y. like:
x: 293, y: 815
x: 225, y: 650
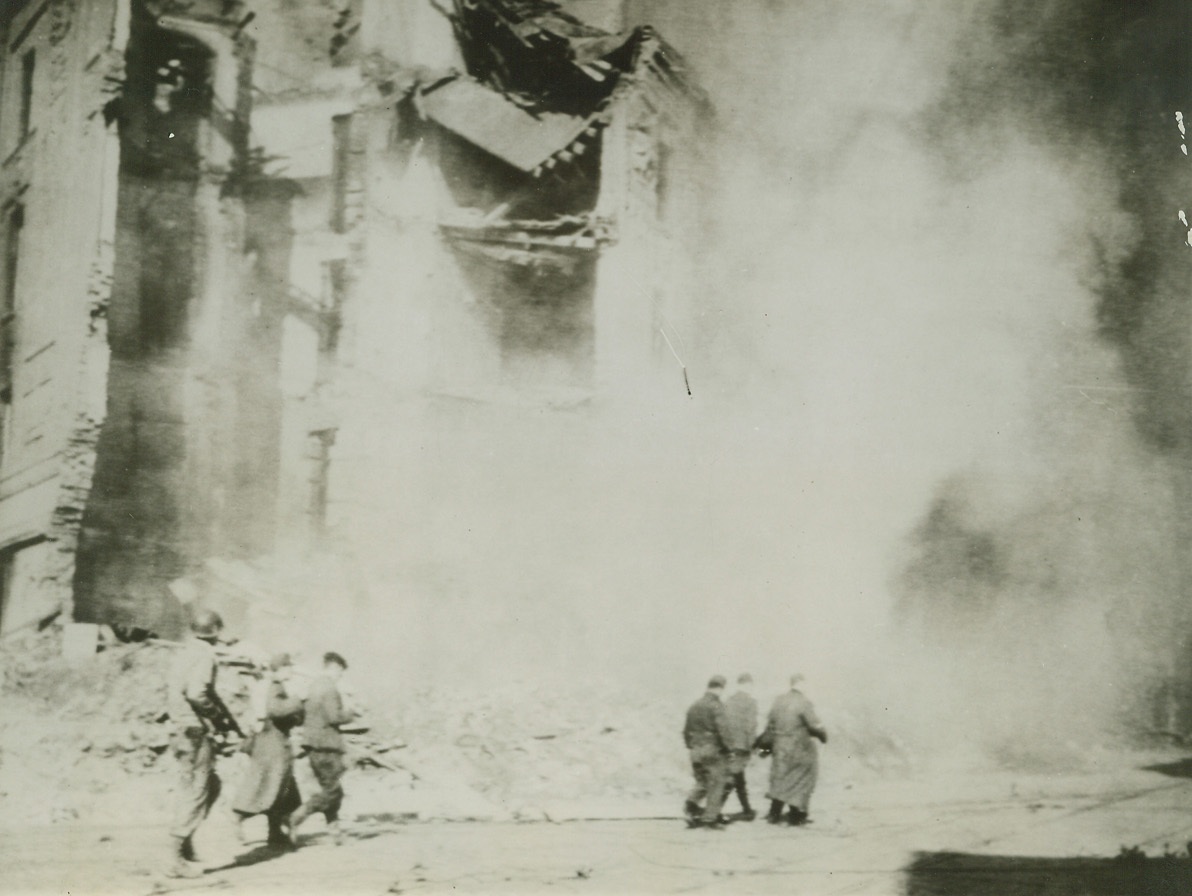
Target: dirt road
x: 989, y: 834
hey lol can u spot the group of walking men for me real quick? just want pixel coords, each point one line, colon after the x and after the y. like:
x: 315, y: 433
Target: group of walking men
x: 268, y: 788
x: 722, y: 735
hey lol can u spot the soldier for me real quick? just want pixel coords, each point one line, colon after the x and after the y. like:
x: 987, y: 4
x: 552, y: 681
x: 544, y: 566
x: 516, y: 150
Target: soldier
x: 325, y: 712
x: 741, y: 710
x: 707, y: 737
x: 197, y: 715
x: 790, y: 727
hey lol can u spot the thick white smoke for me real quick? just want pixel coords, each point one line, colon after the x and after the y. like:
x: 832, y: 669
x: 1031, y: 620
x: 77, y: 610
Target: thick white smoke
x: 898, y: 310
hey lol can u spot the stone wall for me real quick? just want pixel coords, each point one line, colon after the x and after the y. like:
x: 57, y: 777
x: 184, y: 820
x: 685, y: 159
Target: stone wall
x: 61, y: 173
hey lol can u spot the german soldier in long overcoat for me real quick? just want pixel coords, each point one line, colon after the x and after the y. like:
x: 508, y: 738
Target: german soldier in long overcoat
x: 792, y: 728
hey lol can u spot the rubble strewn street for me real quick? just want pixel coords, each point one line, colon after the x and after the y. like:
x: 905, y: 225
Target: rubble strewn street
x: 545, y: 803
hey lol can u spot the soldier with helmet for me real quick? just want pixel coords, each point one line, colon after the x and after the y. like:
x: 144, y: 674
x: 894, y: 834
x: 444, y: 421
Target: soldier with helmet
x: 197, y: 715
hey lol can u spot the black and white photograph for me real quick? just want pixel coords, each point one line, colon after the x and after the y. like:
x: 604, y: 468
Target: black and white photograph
x: 596, y: 447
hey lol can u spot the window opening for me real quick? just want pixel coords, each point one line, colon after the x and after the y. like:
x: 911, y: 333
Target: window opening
x: 28, y: 65
x: 14, y: 225
x: 318, y: 455
x: 6, y: 564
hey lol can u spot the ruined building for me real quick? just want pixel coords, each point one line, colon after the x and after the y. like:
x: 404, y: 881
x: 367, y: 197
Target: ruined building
x: 275, y: 273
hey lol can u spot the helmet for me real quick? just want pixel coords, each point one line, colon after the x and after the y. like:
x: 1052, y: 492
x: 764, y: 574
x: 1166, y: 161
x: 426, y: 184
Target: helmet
x: 206, y: 624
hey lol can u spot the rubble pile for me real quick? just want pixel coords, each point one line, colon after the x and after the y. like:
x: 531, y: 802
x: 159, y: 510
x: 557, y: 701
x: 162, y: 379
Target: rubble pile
x: 528, y: 753
x: 71, y: 736
x: 77, y: 742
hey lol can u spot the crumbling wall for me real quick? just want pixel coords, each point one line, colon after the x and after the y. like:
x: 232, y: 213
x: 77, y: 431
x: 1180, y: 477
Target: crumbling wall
x: 61, y: 174
x: 187, y: 457
x: 133, y: 539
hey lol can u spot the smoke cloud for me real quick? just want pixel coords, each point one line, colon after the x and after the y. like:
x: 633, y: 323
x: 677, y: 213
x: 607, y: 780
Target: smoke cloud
x: 939, y: 367
x: 948, y: 342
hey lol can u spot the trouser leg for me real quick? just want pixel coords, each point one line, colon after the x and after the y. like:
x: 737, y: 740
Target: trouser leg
x: 328, y: 768
x: 699, y: 771
x: 741, y: 788
x: 775, y: 814
x: 717, y: 770
x: 277, y: 828
x: 198, y: 784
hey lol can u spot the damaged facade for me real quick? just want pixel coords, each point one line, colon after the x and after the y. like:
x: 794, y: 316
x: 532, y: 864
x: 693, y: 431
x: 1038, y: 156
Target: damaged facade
x: 272, y: 275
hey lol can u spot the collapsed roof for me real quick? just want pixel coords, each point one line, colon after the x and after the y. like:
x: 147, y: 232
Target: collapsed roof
x: 533, y: 48
x: 540, y: 83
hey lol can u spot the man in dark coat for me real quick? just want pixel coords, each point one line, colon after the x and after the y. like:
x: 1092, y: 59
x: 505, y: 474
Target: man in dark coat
x: 790, y: 728
x: 741, y: 710
x: 268, y: 786
x: 325, y: 712
x: 197, y: 715
x: 706, y: 734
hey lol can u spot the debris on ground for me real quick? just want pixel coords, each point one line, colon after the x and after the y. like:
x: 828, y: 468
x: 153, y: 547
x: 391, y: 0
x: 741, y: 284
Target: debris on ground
x: 82, y: 740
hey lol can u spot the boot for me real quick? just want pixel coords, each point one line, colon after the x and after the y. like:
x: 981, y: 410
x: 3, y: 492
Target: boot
x: 296, y: 818
x: 179, y: 865
x: 337, y: 833
x: 775, y: 815
x: 747, y: 813
x: 188, y: 849
x: 279, y: 837
x: 692, y: 809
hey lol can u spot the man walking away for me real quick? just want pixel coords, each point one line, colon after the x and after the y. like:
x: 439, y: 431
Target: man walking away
x: 325, y: 712
x: 197, y: 715
x: 790, y: 729
x: 741, y: 710
x: 706, y: 734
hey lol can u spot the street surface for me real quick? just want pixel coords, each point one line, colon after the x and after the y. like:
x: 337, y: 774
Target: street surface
x: 1042, y: 833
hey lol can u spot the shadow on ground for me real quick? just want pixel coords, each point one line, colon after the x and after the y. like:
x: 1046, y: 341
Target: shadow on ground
x: 962, y: 874
x: 256, y: 855
x: 1181, y: 768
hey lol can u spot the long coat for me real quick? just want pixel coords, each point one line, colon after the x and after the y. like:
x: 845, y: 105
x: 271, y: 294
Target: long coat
x: 268, y: 785
x: 791, y: 728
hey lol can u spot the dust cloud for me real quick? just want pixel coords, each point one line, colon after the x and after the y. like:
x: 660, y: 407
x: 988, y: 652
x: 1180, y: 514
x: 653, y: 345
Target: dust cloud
x: 945, y: 339
x: 919, y: 464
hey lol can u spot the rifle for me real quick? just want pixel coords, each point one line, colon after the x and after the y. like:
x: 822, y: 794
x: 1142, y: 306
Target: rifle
x: 222, y: 718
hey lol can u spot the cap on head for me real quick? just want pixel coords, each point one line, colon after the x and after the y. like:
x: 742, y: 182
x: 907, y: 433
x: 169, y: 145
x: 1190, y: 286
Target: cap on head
x: 206, y: 624
x: 744, y: 678
x: 333, y: 658
x: 716, y: 682
x: 796, y: 678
